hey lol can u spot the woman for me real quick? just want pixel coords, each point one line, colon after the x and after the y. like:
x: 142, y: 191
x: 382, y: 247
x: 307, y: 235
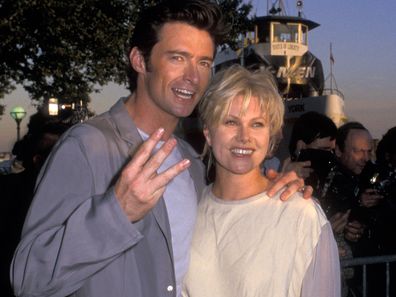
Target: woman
x: 246, y: 244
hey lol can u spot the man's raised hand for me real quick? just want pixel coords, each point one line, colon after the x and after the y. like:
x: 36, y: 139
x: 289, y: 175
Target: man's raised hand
x: 290, y: 182
x: 139, y: 186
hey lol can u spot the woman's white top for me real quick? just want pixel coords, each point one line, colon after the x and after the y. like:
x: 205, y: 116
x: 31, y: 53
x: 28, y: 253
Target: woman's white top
x: 262, y: 246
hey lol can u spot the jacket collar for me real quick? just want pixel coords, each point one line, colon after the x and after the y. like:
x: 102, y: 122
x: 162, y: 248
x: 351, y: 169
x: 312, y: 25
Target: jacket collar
x: 124, y: 123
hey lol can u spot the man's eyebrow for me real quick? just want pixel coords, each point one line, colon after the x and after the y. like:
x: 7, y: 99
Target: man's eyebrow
x: 187, y: 54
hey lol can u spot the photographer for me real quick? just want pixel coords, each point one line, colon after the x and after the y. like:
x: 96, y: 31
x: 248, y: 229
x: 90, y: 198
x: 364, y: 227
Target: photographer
x: 311, y: 144
x: 342, y: 188
x: 347, y: 190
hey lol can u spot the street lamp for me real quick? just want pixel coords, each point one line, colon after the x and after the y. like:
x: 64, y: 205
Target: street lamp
x: 18, y: 113
x: 53, y: 108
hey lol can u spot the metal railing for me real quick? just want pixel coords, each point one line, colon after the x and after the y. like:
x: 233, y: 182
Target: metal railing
x: 364, y: 261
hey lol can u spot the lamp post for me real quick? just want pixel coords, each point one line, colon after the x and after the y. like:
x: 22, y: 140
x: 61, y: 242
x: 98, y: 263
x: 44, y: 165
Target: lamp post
x: 53, y: 108
x: 18, y: 113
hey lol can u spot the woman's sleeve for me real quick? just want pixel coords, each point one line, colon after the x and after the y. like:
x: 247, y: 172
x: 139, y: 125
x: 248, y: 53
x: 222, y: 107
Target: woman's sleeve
x: 323, y: 274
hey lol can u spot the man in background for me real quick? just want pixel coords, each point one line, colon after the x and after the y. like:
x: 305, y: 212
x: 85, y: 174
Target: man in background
x: 311, y: 147
x: 17, y: 190
x: 345, y: 191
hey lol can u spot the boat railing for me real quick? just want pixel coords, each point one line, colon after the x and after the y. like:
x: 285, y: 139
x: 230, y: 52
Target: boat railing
x: 333, y: 91
x: 364, y: 261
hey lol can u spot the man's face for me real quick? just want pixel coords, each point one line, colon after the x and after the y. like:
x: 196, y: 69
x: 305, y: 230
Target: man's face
x: 357, y: 151
x: 179, y: 70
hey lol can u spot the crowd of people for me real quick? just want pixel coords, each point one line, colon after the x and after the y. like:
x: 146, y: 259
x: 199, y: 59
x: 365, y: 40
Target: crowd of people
x: 355, y: 184
x: 122, y: 207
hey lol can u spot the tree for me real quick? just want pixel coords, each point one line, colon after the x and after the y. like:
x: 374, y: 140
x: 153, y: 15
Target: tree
x: 69, y: 49
x: 63, y: 49
x: 237, y: 14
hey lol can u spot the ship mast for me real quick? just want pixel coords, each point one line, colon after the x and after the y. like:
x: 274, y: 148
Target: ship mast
x: 331, y: 76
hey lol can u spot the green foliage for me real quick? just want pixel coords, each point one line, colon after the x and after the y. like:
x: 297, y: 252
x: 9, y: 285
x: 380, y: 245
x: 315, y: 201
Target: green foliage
x: 1, y: 110
x: 61, y: 49
x: 65, y: 49
x: 237, y: 14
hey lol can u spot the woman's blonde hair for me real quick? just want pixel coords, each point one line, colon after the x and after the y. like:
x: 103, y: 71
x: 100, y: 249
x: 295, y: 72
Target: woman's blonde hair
x: 239, y: 81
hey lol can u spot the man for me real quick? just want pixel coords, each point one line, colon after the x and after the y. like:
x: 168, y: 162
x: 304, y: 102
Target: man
x: 17, y: 191
x: 113, y: 215
x: 343, y: 194
x: 311, y: 144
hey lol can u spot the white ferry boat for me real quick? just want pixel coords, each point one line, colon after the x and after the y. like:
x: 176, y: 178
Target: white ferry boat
x: 279, y: 43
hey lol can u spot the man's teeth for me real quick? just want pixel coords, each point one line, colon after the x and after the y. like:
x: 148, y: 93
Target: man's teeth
x: 242, y: 151
x: 185, y: 94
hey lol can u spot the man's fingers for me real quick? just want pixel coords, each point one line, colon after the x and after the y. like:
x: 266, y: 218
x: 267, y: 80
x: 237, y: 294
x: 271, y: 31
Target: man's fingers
x: 156, y: 160
x: 345, y: 216
x: 292, y: 188
x: 335, y: 222
x: 280, y: 181
x: 339, y: 221
x: 144, y: 152
x: 336, y: 217
x: 307, y: 192
x: 290, y: 180
x: 137, y: 196
x: 162, y: 179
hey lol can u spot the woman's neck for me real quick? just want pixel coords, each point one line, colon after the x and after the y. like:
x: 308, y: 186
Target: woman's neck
x: 229, y: 186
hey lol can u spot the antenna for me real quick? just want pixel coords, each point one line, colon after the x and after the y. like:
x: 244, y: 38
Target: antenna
x: 299, y: 5
x: 331, y: 75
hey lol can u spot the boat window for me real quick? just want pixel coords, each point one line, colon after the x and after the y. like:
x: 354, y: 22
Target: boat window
x: 304, y: 35
x: 262, y: 33
x: 285, y: 32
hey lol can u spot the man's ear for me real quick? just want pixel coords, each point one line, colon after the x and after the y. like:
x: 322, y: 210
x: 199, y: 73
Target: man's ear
x: 206, y: 133
x: 137, y: 60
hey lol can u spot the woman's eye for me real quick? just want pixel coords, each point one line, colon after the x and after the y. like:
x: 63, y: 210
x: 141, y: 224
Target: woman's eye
x: 230, y: 122
x: 258, y: 125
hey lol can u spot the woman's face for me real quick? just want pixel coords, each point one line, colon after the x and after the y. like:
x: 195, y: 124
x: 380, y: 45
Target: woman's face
x: 240, y: 142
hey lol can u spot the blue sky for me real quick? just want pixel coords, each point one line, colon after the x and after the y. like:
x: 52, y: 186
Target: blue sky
x: 363, y: 34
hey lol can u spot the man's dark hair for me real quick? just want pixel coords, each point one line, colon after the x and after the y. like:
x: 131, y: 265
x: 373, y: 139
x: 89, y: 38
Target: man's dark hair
x: 387, y: 145
x: 204, y: 15
x: 343, y: 132
x: 36, y: 143
x: 310, y: 126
